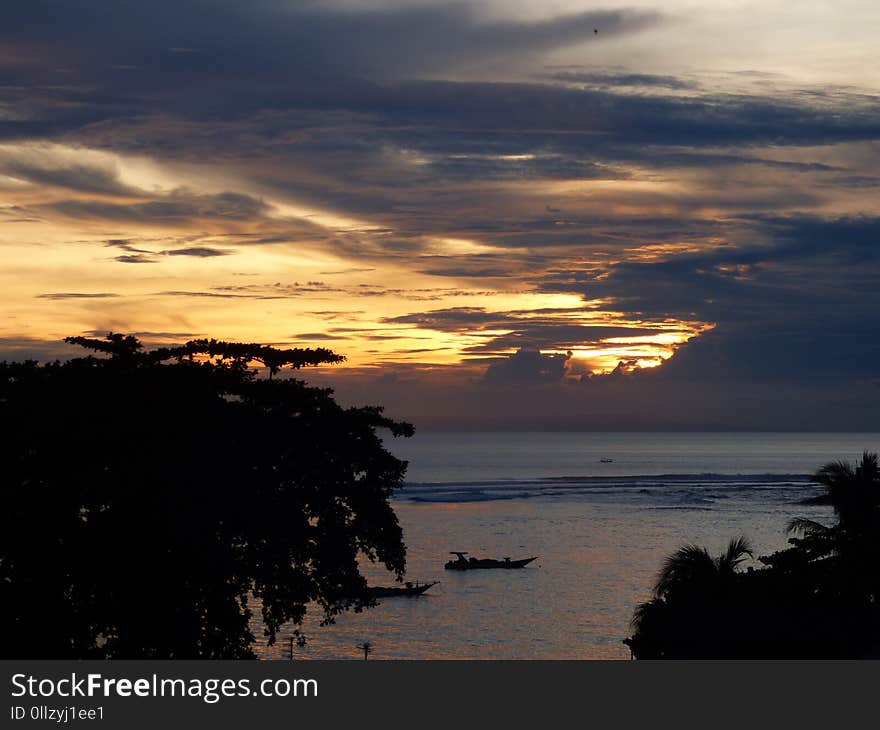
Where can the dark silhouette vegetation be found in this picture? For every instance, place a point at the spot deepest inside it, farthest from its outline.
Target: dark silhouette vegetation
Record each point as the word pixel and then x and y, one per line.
pixel 818 598
pixel 147 497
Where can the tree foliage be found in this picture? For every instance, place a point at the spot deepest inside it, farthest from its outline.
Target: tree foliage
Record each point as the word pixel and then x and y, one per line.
pixel 818 598
pixel 148 496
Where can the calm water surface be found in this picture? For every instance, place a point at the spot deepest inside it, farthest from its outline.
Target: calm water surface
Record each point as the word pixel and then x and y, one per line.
pixel 600 529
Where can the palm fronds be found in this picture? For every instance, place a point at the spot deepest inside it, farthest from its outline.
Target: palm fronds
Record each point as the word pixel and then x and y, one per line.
pixel 690 563
pixel 692 566
pixel 834 473
pixel 805 527
pixel 737 550
pixel 852 491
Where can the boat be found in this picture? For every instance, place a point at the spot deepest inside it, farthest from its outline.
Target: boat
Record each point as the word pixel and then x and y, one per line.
pixel 463 563
pixel 407 589
pixel 606 461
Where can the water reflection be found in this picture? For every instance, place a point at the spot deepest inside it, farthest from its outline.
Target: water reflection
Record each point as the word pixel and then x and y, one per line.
pixel 598 558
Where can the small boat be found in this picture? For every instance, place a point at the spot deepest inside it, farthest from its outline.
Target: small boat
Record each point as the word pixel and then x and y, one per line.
pixel 463 563
pixel 407 589
pixel 606 461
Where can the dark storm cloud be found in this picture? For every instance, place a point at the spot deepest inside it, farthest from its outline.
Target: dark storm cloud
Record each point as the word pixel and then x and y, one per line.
pixel 124 39
pixel 527 367
pixel 857 182
pixel 315 336
pixel 65 174
pixel 527 330
pixel 797 307
pixel 550 335
pixel 780 263
pixel 338 125
pixel 248 57
pixel 431 38
pixel 347 111
pixel 125 244
pixel 197 251
pixel 691 290
pixel 845 239
pixel 52 119
pixel 523 242
pixel 675 288
pixel 679 158
pixel 463 167
pixel 648 400
pixel 818 353
pixel 712 120
pixel 451 320
pixel 135 258
pixel 133 255
pixel 300 56
pixel 512 118
pixel 622 79
pixel 138 255
pixel 216 295
pixel 177 207
pixel 462 270
pixel 76 295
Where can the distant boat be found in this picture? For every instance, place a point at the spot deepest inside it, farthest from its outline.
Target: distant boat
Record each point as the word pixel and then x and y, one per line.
pixel 463 563
pixel 606 461
pixel 408 590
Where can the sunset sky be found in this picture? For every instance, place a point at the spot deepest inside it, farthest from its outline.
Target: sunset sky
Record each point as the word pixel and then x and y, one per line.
pixel 519 214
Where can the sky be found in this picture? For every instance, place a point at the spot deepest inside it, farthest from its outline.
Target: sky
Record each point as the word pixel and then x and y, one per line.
pixel 506 215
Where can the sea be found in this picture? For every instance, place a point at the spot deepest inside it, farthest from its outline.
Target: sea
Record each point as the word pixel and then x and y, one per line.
pixel 600 511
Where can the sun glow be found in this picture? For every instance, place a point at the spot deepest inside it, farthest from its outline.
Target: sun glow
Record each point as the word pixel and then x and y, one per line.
pixel 254 265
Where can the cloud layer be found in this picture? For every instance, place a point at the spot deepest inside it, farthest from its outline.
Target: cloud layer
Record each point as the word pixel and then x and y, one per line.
pixel 472 200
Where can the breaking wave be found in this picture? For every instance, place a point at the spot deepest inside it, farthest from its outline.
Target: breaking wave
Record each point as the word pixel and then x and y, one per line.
pixel 667 490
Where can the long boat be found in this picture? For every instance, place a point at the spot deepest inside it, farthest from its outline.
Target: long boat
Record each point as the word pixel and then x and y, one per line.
pixel 463 563
pixel 407 589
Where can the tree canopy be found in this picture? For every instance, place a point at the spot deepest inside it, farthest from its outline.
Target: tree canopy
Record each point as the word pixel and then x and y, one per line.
pixel 147 496
pixel 820 597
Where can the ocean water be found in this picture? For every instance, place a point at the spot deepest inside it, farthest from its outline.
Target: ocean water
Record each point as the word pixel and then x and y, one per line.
pixel 600 510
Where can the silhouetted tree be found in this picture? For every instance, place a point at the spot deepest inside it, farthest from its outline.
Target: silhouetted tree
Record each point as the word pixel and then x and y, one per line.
pixel 692 569
pixel 692 602
pixel 854 495
pixel 841 562
pixel 818 598
pixel 147 496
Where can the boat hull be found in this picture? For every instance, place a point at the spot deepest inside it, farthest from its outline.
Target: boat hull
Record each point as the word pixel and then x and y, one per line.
pixel 407 592
pixel 488 564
